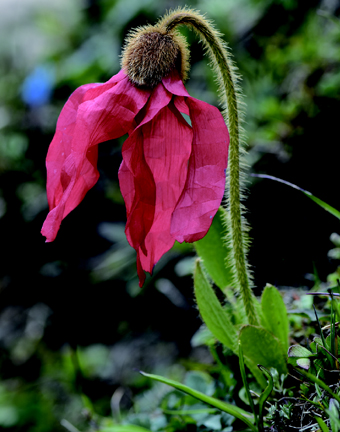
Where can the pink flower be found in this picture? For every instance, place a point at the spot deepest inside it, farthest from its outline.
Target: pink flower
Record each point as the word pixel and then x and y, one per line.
pixel 172 176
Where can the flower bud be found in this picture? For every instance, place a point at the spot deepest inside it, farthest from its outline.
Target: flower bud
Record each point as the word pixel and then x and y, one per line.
pixel 150 53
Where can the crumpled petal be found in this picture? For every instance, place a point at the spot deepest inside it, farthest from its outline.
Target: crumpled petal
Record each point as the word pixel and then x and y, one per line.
pixel 204 189
pixel 94 113
pixel 167 150
pixel 161 147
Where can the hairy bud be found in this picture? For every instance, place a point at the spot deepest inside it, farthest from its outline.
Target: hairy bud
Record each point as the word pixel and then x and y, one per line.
pixel 151 52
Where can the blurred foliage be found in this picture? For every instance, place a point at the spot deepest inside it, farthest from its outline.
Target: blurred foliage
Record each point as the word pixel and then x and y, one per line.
pixel 82 290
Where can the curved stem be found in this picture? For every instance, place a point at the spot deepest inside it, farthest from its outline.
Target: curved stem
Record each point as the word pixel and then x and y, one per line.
pixel 229 94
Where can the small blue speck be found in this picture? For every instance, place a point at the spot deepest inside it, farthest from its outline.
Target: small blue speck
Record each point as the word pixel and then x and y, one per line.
pixel 37 87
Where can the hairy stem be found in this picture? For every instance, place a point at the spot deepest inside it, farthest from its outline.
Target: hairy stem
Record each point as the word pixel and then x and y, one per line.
pixel 230 96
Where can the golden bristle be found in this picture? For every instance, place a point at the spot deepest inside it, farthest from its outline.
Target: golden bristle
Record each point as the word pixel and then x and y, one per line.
pixel 150 53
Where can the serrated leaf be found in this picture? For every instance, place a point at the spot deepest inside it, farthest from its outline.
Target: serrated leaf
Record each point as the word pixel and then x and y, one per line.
pixel 212 249
pixel 217 320
pixel 299 351
pixel 274 313
pixel 212 312
pixel 262 347
pixel 233 410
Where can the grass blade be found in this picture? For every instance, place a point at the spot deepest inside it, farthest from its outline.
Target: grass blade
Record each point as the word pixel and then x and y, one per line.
pixel 322 424
pixel 245 382
pixel 318 381
pixel 318 201
pixel 265 394
pixel 223 406
pixel 320 329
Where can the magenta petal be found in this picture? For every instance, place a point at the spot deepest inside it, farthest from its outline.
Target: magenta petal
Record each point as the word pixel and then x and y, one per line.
pixel 174 84
pixel 156 159
pixel 60 147
pixel 135 178
pixel 205 184
pixel 140 271
pixel 127 186
pixel 106 112
pixel 167 148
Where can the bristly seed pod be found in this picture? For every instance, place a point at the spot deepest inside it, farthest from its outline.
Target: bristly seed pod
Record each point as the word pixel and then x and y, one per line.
pixel 151 52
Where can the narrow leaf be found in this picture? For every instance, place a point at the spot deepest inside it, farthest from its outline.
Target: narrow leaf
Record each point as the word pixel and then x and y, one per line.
pixel 333 351
pixel 318 201
pixel 322 424
pixel 213 251
pixel 333 413
pixel 223 406
pixel 211 310
pixel 275 314
pixel 264 395
pixel 190 411
pixel 245 382
pixel 318 381
pixel 328 355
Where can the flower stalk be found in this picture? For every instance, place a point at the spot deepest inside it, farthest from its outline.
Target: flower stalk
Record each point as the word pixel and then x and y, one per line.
pixel 231 99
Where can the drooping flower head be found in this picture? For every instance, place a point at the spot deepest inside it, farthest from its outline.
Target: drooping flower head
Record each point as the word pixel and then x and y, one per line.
pixel 172 176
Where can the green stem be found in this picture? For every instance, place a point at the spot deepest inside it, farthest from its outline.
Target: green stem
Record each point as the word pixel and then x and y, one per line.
pixel 230 96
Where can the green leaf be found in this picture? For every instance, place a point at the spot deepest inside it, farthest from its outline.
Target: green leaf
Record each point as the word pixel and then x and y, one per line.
pixel 264 395
pixel 274 313
pixel 245 382
pixel 211 310
pixel 318 381
pixel 322 424
pixel 299 351
pixel 252 366
pixel 303 362
pixel 203 336
pixel 223 406
pixel 190 411
pixel 318 340
pixel 124 428
pixel 333 412
pixel 212 249
pixel 318 201
pixel 200 381
pixel 324 205
pixel 261 347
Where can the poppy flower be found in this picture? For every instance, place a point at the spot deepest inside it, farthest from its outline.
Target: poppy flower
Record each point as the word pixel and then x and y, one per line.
pixel 172 176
